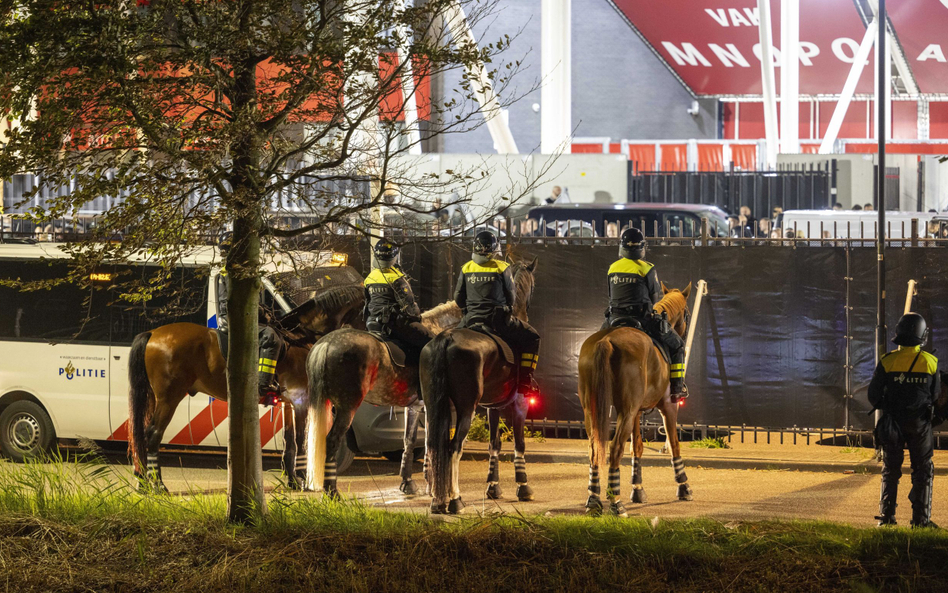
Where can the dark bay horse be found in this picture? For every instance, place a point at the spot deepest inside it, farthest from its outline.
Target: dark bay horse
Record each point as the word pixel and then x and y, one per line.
pixel 621 367
pixel 465 368
pixel 347 367
pixel 173 361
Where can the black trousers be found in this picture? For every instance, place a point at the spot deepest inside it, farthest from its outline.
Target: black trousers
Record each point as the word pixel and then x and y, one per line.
pixel 521 336
pixel 405 329
pixel 894 434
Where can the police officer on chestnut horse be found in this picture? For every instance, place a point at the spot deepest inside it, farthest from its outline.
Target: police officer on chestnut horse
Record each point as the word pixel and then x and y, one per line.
pixel 390 307
pixel 485 294
pixel 633 290
pixel 905 386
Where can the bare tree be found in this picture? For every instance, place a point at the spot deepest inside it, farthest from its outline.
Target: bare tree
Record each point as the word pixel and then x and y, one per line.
pixel 265 118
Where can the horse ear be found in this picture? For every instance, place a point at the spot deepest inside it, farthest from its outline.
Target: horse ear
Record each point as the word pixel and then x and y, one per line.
pixel 686 291
pixel 532 266
pixel 664 288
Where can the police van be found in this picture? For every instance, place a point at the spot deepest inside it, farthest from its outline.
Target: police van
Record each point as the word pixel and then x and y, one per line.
pixel 65 351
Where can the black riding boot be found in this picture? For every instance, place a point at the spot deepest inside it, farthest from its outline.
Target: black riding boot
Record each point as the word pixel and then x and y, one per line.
pixel 270 344
pixel 677 386
pixel 526 384
pixel 887 502
pixel 921 496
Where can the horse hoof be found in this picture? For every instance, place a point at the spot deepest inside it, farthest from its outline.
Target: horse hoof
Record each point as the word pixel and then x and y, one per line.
pixel 639 497
pixel 684 492
pixel 593 507
pixel 618 509
pixel 408 488
pixel 524 493
pixel 455 506
pixel 494 492
pixel 294 483
pixel 438 508
pixel 332 494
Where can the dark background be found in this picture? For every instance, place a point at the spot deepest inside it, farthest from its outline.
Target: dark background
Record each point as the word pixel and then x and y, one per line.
pixel 770 344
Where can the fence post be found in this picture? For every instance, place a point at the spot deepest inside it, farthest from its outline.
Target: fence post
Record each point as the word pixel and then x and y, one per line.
pixel 704 232
pixel 848 376
pixel 914 232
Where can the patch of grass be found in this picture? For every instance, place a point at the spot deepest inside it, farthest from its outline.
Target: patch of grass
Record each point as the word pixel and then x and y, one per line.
pixel 480 432
pixel 73 527
pixel 710 443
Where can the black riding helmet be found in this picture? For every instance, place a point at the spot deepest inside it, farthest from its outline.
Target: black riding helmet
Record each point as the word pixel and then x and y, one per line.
pixel 911 330
pixel 632 244
pixel 485 245
pixel 385 252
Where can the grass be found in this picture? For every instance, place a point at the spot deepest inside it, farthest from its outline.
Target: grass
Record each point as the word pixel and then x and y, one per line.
pixel 72 526
pixel 710 443
pixel 480 432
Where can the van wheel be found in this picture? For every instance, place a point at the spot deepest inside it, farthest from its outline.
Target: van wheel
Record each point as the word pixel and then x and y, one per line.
pixel 26 431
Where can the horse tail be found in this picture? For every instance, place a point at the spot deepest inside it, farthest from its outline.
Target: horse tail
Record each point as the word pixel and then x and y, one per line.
pixel 139 396
pixel 438 410
pixel 600 399
pixel 319 419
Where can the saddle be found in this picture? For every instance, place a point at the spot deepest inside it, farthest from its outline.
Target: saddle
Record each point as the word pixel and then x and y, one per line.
pixel 504 347
pixel 401 353
pixel 635 324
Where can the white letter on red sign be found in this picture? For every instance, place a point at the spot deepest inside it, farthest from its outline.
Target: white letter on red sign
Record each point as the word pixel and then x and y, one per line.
pixel 840 54
pixel 726 55
pixel 718 15
pixel 932 52
pixel 688 54
pixel 808 50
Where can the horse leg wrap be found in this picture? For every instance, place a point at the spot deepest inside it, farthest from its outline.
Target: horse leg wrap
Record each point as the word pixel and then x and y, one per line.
pixel 618 509
pixel 615 480
pixel 493 479
pixel 329 480
pixel 593 505
pixel 300 462
pixel 638 492
pixel 520 468
pixel 684 491
pixel 153 474
pixel 594 481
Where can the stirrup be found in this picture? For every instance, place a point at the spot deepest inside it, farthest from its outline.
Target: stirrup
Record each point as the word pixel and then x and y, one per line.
pixel 271 397
pixel 529 389
pixel 677 397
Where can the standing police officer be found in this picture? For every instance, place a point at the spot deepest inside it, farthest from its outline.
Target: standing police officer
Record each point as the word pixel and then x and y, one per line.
pixel 390 306
pixel 485 294
pixel 633 291
pixel 905 387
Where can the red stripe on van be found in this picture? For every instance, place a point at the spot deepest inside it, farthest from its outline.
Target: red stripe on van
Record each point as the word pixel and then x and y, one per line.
pixel 270 423
pixel 121 433
pixel 202 425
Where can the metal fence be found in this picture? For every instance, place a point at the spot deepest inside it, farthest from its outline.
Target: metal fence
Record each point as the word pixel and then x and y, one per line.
pixel 797 188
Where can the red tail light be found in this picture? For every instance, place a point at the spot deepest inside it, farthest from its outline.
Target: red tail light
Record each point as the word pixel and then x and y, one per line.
pixel 681 403
pixel 532 401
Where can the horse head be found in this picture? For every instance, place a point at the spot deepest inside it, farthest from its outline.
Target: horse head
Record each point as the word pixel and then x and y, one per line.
pixel 675 303
pixel 523 287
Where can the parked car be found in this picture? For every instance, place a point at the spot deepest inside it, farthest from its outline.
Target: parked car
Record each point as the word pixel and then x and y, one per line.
pixel 656 220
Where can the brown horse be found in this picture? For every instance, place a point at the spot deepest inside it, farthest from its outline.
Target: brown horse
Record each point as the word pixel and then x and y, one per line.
pixel 465 368
pixel 179 359
pixel 621 367
pixel 349 366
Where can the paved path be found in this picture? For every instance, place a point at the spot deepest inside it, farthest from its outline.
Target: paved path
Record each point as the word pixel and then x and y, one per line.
pixel 847 491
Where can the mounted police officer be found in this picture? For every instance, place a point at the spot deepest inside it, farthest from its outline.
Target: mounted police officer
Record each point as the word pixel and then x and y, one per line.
pixel 390 307
pixel 485 294
pixel 905 386
pixel 272 347
pixel 633 291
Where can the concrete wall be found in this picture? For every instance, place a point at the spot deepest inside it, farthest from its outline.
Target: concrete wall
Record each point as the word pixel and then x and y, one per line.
pixel 620 89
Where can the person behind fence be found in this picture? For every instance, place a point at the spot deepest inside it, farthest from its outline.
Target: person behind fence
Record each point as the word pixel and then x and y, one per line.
pixel 633 291
pixel 271 345
pixel 905 386
pixel 485 294
pixel 390 307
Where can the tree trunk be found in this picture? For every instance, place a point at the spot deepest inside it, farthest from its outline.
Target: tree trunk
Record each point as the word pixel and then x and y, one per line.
pixel 246 502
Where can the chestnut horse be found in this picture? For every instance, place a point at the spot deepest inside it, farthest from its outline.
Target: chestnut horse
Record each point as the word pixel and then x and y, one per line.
pixel 173 361
pixel 349 366
pixel 464 368
pixel 621 367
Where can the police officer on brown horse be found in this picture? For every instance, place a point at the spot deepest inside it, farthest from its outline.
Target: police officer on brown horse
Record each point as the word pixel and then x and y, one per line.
pixel 390 307
pixel 633 291
pixel 905 386
pixel 485 294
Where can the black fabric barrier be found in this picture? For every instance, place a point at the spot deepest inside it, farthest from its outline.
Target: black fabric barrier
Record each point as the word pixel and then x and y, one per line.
pixel 770 344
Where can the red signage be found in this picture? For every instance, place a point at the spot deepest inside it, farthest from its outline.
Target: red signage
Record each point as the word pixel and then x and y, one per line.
pixel 713 45
pixel 922 28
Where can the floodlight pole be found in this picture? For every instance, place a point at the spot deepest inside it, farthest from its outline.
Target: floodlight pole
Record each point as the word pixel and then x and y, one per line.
pixel 880 183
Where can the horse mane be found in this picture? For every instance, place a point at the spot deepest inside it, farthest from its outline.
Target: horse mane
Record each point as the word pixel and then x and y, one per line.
pixel 673 303
pixel 523 287
pixel 336 298
pixel 444 316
